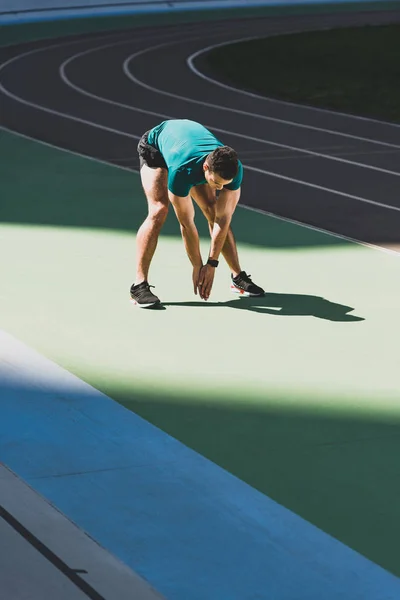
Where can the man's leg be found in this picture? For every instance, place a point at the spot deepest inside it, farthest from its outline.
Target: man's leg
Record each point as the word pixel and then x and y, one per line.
pixel 154 183
pixel 205 198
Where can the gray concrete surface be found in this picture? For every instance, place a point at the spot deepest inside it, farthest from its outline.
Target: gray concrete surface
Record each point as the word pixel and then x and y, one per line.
pixel 44 556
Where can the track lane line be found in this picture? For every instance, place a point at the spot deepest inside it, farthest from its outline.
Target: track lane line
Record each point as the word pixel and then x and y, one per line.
pixel 253 114
pixel 228 109
pixel 129 74
pixel 52 46
pixel 79 89
pixel 240 205
pixel 134 136
pixel 65 115
pixel 118 132
pixel 48 110
pixel 191 59
pixel 165 116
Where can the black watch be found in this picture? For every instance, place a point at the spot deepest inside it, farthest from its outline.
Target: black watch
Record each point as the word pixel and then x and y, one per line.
pixel 212 262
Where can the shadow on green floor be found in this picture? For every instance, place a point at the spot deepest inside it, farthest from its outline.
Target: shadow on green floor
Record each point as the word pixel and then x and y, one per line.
pixel 45 186
pixel 333 465
pixel 284 305
pixel 337 470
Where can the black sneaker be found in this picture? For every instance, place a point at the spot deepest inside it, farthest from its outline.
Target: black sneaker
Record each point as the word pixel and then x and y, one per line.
pixel 142 296
pixel 243 285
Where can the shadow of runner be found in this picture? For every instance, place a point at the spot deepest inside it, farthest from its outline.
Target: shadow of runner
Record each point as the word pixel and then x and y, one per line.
pixel 284 305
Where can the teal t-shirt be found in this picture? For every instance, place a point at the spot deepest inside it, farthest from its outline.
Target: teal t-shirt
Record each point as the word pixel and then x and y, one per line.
pixel 185 145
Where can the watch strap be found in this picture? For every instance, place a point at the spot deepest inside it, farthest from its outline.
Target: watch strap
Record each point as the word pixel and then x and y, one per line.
pixel 212 262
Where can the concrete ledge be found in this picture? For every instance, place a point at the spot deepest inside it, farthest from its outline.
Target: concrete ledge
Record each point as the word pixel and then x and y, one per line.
pixel 48 554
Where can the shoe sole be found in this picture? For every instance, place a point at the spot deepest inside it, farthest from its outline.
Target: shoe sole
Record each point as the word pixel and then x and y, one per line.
pixel 240 292
pixel 135 303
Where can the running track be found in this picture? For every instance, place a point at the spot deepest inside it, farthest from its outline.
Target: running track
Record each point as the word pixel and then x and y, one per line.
pixel 96 95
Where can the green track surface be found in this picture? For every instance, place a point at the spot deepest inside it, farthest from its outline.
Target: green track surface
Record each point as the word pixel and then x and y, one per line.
pixel 354 70
pixel 296 393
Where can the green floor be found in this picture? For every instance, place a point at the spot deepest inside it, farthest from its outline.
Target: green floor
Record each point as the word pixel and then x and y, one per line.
pixel 296 393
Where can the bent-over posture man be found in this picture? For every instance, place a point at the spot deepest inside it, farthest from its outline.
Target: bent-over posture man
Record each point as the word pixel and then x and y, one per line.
pixel 181 160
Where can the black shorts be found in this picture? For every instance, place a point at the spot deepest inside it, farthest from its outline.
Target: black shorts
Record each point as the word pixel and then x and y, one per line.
pixel 148 155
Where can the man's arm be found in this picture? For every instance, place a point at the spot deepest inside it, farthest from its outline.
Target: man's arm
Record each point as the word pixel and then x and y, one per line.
pixel 224 207
pixel 184 210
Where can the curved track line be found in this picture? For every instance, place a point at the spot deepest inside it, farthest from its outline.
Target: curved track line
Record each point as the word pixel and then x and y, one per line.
pixel 65 115
pixel 129 74
pixel 275 100
pixel 96 125
pixel 255 169
pixel 51 111
pixel 228 109
pixel 252 114
pixel 241 205
pixel 324 189
pixel 84 92
pixel 162 115
pixel 20 100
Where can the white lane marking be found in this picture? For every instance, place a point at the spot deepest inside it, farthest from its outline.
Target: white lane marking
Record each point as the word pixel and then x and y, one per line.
pixel 162 115
pixel 96 125
pixel 215 26
pixel 73 152
pixel 8 93
pixel 252 114
pixel 65 115
pixel 84 92
pixel 191 59
pixel 279 156
pixel 345 238
pixel 48 110
pixel 340 236
pixel 129 74
pixel 79 89
pixel 247 137
pixel 325 189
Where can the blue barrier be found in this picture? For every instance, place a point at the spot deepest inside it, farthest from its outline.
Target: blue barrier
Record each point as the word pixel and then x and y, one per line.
pixel 20 11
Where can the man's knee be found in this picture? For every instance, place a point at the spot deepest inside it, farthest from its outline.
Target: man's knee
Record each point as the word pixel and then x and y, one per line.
pixel 158 213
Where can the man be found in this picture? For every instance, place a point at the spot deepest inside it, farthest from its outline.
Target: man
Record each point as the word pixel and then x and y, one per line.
pixel 181 160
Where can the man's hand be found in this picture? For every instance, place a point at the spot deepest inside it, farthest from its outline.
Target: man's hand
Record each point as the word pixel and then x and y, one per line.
pixel 206 280
pixel 195 278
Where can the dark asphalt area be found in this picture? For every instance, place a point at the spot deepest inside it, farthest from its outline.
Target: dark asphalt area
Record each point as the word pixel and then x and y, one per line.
pixel 95 94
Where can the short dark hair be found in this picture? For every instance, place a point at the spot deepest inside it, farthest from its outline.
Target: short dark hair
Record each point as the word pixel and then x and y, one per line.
pixel 224 161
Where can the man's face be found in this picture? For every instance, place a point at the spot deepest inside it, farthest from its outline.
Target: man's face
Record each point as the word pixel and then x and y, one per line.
pixel 214 180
